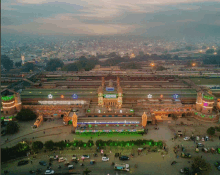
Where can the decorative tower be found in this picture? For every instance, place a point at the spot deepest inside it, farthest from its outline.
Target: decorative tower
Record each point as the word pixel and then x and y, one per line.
pixel 144 120
pixel 103 81
pixel 118 81
pixel 100 96
pixel 22 59
pixel 119 96
pixel 74 120
pixel 199 101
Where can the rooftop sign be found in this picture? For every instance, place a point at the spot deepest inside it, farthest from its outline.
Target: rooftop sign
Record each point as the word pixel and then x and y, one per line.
pixel 110 96
pixel 110 88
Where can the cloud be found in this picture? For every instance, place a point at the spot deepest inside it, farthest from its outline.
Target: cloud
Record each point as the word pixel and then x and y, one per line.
pixel 65 23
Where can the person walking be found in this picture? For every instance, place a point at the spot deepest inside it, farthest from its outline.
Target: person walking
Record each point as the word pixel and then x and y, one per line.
pixel 31 162
pixel 44 132
pixel 163 157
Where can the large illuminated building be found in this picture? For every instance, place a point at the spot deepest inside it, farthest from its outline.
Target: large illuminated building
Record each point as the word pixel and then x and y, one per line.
pixel 116 100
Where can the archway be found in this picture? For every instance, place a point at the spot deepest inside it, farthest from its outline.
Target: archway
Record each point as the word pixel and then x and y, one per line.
pixel 169 115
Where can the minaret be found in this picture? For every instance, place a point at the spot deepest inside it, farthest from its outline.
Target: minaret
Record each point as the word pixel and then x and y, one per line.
pixel 100 96
pixel 22 59
pixel 119 97
pixel 103 82
pixel 144 119
pixel 118 81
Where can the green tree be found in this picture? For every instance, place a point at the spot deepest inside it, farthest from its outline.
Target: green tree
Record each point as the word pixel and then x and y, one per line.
pixel 87 171
pixel 49 144
pixel 210 51
pixel 26 115
pixel 60 144
pixel 160 68
pixel 7 62
pixel 200 164
pixel 18 64
pixel 37 145
pixel 90 143
pixel 211 131
pixel 53 64
pixel 174 117
pixel 28 67
pixel 12 127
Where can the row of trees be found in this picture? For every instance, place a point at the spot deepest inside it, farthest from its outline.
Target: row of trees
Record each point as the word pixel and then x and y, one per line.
pixel 38 145
pixel 16 151
pixel 212 130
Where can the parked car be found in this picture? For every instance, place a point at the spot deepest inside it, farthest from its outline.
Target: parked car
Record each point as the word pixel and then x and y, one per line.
pixel 43 163
pixel 124 158
pixel 186 155
pixel 49 172
pixel 23 162
pixel 3 133
pixel 85 157
pixel 62 159
pixel 70 167
pixel 184 171
pixel 186 138
pixel 217 164
pixel 200 145
pixel 104 159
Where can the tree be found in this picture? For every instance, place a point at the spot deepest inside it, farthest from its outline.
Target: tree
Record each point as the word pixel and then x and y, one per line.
pixel 49 144
pixel 211 131
pixel 26 115
pixel 160 68
pixel 174 117
pixel 12 127
pixel 90 143
pixel 210 51
pixel 200 164
pixel 18 64
pixel 37 145
pixel 87 171
pixel 53 64
pixel 60 144
pixel 28 67
pixel 218 52
pixel 6 62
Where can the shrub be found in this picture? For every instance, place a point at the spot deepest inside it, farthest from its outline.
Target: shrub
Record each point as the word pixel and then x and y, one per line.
pixel 211 131
pixel 26 115
pixel 37 145
pixel 12 127
pixel 49 144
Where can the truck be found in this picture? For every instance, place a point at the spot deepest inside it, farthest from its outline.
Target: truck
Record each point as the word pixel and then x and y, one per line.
pixel 121 167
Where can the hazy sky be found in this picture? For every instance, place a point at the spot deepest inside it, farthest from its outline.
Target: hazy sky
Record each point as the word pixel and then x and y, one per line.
pixel 109 17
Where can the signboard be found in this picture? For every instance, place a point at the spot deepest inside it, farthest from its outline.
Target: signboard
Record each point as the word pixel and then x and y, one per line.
pixel 110 88
pixel 8 119
pixel 75 96
pixel 110 95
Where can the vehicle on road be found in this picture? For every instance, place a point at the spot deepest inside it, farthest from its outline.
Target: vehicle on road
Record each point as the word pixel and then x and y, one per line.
pixel 218 168
pixel 124 158
pixel 205 150
pixel 104 159
pixel 173 163
pixel 70 167
pixel 121 167
pixel 184 170
pixel 92 162
pixel 23 162
pixel 43 163
pixel 200 145
pixel 186 138
pixel 85 157
pixel 62 159
pixel 49 172
pixel 186 155
pixel 217 164
pixel 179 133
pixel 74 158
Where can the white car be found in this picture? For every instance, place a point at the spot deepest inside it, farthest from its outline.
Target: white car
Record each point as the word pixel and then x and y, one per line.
pixel 49 172
pixel 186 138
pixel 85 157
pixel 104 159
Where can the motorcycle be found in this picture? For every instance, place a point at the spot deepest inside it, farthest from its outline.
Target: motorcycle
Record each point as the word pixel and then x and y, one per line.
pixel 81 164
pixel 173 163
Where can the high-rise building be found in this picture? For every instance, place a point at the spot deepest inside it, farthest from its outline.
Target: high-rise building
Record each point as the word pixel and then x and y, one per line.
pixel 22 59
